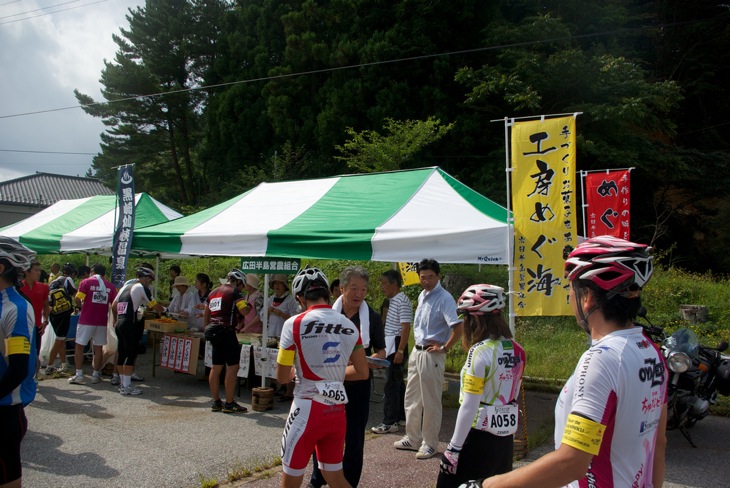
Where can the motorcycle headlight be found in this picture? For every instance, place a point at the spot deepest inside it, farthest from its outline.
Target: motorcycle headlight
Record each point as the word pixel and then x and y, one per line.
pixel 678 362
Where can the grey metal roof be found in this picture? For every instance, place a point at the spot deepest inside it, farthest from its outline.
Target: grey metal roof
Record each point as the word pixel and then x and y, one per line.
pixel 45 189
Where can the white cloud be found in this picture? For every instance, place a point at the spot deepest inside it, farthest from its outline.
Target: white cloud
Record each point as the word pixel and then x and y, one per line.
pixel 44 59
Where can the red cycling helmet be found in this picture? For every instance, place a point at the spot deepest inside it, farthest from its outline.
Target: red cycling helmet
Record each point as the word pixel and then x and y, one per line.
pixel 481 299
pixel 615 265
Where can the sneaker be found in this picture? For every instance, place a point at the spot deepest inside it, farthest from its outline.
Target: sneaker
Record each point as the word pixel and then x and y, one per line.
pixel 130 390
pixel 95 379
pixel 405 444
pixel 115 379
pixel 425 452
pixel 77 379
pixel 234 408
pixel 385 429
pixel 217 406
pixel 49 371
pixel 64 371
pixel 136 377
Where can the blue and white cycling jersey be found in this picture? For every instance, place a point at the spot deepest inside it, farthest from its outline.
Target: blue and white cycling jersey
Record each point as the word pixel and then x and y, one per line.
pixel 17 321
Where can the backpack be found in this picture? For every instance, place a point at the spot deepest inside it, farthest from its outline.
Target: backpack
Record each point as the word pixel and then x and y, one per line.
pixel 58 297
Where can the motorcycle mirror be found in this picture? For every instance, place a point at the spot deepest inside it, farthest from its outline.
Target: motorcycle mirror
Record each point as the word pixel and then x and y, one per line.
pixel 722 346
pixel 641 312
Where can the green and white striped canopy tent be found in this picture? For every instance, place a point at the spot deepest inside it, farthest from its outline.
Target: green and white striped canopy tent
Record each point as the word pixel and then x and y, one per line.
pixel 393 216
pixel 85 225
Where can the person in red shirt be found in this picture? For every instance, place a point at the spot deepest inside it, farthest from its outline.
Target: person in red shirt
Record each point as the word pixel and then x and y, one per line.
pixel 37 294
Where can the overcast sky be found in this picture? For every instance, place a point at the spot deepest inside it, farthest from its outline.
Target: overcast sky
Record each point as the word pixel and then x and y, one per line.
pixel 42 60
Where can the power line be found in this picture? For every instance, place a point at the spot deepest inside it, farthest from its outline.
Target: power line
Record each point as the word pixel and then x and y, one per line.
pixel 38 9
pixel 50 13
pixel 78 163
pixel 359 65
pixel 48 152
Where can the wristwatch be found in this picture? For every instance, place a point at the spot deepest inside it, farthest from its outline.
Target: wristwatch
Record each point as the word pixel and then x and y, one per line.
pixel 444 348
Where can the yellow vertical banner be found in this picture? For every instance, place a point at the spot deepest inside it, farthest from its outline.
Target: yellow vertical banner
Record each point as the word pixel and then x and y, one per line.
pixel 543 201
pixel 409 274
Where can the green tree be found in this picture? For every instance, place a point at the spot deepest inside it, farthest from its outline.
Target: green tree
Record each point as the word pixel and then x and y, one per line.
pixel 370 152
pixel 153 120
pixel 626 115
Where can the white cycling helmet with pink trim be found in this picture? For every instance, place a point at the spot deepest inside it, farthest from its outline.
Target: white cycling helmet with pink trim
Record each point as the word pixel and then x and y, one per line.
pixel 615 265
pixel 481 299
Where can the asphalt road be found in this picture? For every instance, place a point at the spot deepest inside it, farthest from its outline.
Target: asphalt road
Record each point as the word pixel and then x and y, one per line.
pixel 90 436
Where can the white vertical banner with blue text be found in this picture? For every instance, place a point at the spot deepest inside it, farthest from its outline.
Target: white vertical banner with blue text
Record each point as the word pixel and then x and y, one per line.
pixel 122 242
pixel 544 203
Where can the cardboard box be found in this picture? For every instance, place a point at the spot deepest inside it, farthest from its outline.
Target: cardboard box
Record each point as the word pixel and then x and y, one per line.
pixel 157 326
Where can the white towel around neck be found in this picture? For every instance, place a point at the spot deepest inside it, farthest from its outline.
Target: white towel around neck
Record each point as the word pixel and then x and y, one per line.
pixel 364 313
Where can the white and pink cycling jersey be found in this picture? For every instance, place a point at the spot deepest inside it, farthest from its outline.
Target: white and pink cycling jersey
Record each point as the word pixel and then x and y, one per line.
pixel 620 387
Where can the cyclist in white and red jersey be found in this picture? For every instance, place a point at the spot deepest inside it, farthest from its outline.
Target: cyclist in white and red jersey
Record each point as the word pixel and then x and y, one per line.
pixel 490 382
pixel 319 343
pixel 611 416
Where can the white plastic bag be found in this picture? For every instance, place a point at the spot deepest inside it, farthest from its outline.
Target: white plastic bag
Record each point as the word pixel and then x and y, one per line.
pixel 47 340
pixel 112 342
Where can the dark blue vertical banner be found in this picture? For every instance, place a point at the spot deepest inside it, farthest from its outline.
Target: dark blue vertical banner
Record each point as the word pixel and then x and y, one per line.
pixel 122 242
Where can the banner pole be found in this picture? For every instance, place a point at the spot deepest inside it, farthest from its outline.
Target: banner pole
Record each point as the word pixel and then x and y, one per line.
pixel 583 203
pixel 510 227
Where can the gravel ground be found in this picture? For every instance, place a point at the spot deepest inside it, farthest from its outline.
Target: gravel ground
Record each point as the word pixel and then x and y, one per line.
pixel 90 436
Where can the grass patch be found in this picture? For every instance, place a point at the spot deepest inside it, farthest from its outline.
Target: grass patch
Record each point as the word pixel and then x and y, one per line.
pixel 258 468
pixel 207 482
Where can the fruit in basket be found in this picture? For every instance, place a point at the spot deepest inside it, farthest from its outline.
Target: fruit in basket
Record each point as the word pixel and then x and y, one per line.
pixel 166 320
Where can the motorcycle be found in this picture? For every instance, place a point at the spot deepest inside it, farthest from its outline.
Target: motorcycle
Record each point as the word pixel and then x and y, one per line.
pixel 697 374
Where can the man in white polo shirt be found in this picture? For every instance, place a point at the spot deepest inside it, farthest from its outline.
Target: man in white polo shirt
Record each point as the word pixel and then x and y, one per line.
pixel 436 328
pixel 94 296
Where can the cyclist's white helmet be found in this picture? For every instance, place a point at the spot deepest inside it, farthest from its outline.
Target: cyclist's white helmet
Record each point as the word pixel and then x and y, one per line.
pixel 15 253
pixel 143 272
pixel 237 274
pixel 309 279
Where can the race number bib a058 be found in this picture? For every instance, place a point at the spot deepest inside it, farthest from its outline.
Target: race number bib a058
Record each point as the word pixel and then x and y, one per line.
pixel 215 304
pixel 498 420
pixel 330 392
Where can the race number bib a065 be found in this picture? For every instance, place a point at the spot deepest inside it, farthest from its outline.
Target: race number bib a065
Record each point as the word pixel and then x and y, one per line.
pixel 215 304
pixel 498 420
pixel 330 392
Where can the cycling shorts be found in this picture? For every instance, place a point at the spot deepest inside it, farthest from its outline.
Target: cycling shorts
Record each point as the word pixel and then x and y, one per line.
pixel 313 426
pixel 13 426
pixel 129 335
pixel 226 349
pixel 61 323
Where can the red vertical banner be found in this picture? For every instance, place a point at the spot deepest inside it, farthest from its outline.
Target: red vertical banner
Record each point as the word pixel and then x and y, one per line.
pixel 608 202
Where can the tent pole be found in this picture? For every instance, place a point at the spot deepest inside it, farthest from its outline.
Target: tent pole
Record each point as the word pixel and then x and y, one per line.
pixel 157 274
pixel 265 330
pixel 510 227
